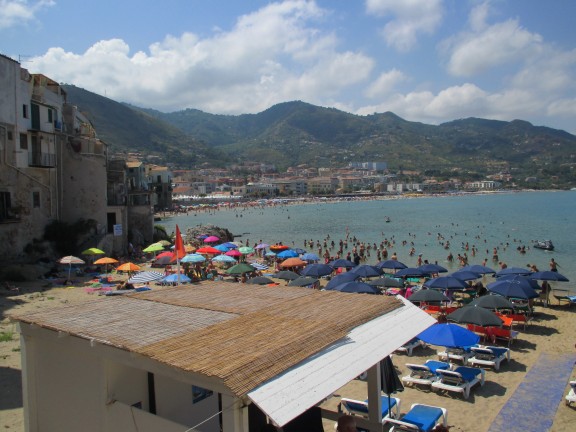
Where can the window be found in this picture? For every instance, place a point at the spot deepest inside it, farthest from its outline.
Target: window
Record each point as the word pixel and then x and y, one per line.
pixel 10 136
pixel 36 199
pixel 25 111
pixel 50 118
pixel 23 142
pixel 5 205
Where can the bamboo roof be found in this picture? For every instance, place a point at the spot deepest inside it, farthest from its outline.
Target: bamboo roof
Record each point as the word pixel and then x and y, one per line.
pixel 242 334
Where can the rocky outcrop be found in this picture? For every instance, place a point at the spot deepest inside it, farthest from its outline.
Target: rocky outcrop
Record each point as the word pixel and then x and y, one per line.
pixel 192 234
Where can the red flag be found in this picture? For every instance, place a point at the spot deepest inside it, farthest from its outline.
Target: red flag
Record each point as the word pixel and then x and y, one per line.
pixel 179 251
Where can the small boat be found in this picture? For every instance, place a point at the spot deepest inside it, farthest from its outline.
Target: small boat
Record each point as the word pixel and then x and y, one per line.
pixel 386 219
pixel 544 244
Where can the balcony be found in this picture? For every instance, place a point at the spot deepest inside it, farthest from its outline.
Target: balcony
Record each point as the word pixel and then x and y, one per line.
pixel 43 160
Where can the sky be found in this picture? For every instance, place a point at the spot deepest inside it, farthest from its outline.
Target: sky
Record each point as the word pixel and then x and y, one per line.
pixel 431 61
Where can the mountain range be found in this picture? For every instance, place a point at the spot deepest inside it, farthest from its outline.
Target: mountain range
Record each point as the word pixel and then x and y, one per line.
pixel 294 133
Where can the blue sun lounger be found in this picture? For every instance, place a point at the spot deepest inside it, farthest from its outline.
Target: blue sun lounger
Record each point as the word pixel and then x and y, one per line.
pixel 424 374
pixel 360 408
pixel 489 356
pixel 460 380
pixel 420 418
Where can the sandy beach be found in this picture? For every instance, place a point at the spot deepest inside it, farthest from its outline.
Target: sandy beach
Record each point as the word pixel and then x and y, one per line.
pixel 550 332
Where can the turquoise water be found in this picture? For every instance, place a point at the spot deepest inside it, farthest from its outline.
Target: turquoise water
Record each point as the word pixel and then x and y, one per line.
pixel 505 221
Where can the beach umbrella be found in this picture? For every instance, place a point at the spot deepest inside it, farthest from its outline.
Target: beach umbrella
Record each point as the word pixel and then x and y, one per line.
pixel 465 275
pixel 270 254
pixel 316 270
pixel 259 280
pixel 389 381
pixel 262 246
pixel 386 282
pixel 202 236
pixel 162 261
pixel 211 239
pixel 128 267
pixel 70 260
pixel 492 302
pixel 189 248
pixel 193 258
pixel 240 268
pixel 224 258
pixel 432 268
pixel 516 287
pixel 286 275
pixel 517 271
pixel 428 295
pixel 410 272
pixel 342 263
pixel 154 247
pixel 356 287
pixel 477 268
pixel 177 278
pixel 309 256
pixel 233 253
pixel 366 270
pixel 391 265
pixel 146 276
pixel 165 254
pixel 293 262
pixel 548 275
pixel 93 251
pixel 476 316
pixel 288 253
pixel 340 279
pixel 164 243
pixel 208 250
pixel 445 283
pixel 299 251
pixel 222 248
pixel 245 250
pixel 449 335
pixel 303 281
pixel 106 261
pixel 230 245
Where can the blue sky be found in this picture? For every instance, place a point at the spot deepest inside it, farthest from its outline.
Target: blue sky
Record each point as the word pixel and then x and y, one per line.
pixel 426 60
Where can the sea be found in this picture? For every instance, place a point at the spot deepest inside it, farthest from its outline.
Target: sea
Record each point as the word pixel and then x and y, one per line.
pixel 509 222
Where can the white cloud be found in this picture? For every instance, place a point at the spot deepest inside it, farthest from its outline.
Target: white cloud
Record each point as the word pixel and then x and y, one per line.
pixel 495 45
pixel 478 16
pixel 385 83
pixel 270 56
pixel 410 18
pixel 15 12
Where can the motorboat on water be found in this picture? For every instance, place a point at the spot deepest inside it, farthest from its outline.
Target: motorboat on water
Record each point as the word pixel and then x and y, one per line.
pixel 544 244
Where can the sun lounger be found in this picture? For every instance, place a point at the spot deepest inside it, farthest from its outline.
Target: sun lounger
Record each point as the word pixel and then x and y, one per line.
pixel 424 374
pixel 420 418
pixel 460 380
pixel 461 354
pixel 489 356
pixel 570 299
pixel 408 347
pixel 360 408
pixel 571 396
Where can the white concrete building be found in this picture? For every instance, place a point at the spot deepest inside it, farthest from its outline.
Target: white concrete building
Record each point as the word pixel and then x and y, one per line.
pixel 212 357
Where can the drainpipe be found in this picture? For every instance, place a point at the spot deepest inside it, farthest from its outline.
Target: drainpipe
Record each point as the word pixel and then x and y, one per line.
pixel 25 174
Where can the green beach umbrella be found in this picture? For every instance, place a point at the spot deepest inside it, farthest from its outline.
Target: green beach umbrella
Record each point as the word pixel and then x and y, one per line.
pixel 240 268
pixel 154 247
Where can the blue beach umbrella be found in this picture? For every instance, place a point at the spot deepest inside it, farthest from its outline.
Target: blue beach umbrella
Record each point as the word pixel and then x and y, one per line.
pixel 316 270
pixel 410 272
pixel 445 283
pixel 433 268
pixel 477 268
pixel 391 265
pixel 342 263
pixel 356 287
pixel 513 271
pixel 449 335
pixel 465 275
pixel 222 248
pixel 340 279
pixel 516 287
pixel 548 275
pixel 366 270
pixel 309 256
pixel 193 258
pixel 224 258
pixel 288 253
pixel 230 245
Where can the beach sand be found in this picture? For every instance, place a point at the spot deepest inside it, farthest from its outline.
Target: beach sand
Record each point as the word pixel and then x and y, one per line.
pixel 551 332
